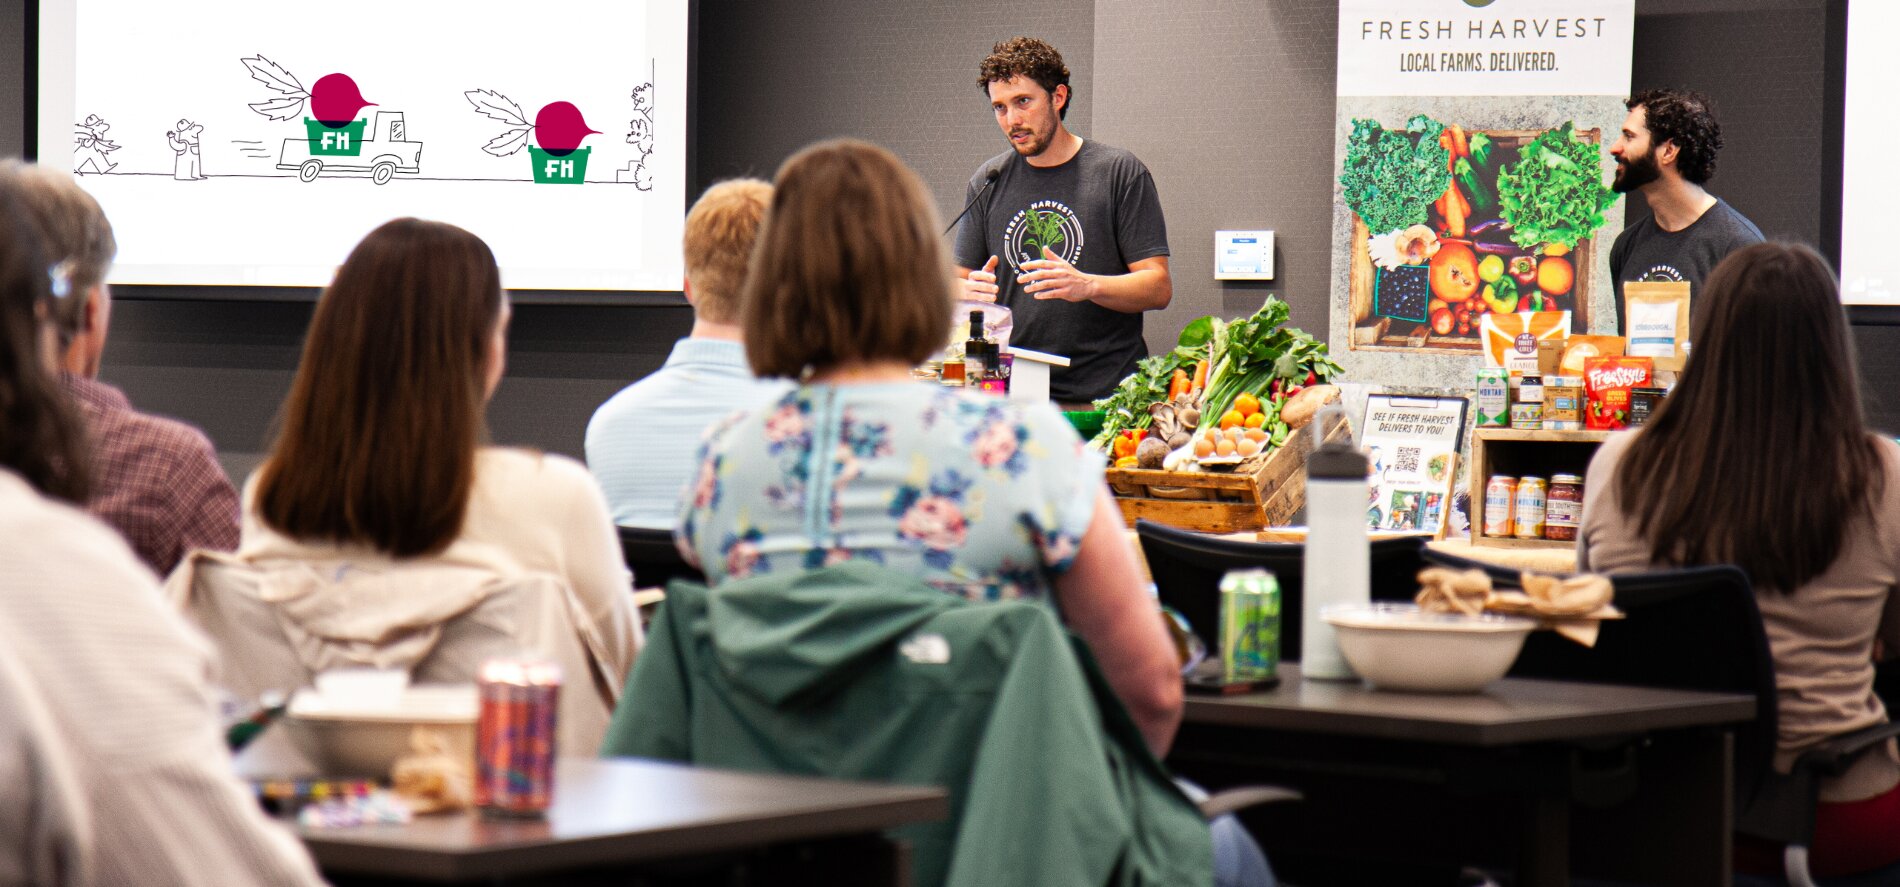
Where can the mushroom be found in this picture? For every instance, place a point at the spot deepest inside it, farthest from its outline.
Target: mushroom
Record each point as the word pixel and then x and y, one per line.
pixel 1416 244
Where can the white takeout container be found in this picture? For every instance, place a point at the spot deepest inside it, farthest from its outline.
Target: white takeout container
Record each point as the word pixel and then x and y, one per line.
pixel 346 738
pixel 1401 647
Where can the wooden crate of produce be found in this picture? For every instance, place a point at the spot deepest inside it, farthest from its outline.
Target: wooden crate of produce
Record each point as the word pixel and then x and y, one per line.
pixel 1224 502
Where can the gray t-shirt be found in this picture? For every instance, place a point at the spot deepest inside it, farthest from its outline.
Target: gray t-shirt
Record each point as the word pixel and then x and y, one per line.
pixel 1645 252
pixel 1099 212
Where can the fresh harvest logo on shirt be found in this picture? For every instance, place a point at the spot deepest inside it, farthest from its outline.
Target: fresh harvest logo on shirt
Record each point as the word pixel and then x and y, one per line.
pixel 1046 223
pixel 1663 274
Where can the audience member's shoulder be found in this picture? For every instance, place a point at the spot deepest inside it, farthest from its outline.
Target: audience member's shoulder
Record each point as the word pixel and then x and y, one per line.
pixel 53 532
pixel 516 465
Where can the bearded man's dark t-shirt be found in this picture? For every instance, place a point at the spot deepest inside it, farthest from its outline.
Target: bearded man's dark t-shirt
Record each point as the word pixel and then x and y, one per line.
pixel 1645 252
pixel 1099 212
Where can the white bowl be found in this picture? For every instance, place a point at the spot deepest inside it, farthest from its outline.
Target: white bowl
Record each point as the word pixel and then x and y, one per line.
pixel 1401 647
pixel 343 738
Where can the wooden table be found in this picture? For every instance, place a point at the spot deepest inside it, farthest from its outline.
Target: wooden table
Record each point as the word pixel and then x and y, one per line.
pixel 623 814
pixel 1638 778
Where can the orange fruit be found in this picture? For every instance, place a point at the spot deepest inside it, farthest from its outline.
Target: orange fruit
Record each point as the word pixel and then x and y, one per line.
pixel 1555 249
pixel 1554 276
pixel 1247 404
pixel 1232 418
pixel 1224 448
pixel 1257 420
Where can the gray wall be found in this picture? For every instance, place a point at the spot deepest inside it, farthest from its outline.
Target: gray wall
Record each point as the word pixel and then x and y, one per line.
pixel 1227 103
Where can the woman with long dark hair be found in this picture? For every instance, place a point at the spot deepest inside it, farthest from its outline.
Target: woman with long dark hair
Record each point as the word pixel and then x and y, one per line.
pixel 112 766
pixel 1761 458
pixel 382 473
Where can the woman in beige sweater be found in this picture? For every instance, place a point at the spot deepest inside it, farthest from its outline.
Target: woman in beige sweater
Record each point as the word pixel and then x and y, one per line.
pixel 1761 458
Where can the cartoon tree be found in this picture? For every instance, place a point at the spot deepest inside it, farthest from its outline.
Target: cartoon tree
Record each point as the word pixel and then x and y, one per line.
pixel 640 136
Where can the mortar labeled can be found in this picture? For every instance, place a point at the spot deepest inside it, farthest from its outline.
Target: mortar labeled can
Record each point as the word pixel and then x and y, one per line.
pixel 1249 625
pixel 1499 496
pixel 340 141
pixel 1494 397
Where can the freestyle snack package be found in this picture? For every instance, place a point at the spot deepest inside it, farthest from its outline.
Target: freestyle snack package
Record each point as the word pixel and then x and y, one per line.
pixel 1606 387
pixel 1510 340
pixel 1578 349
pixel 1657 321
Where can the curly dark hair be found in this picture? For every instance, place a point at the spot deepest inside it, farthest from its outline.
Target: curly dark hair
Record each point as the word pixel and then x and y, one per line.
pixel 1026 57
pixel 1683 117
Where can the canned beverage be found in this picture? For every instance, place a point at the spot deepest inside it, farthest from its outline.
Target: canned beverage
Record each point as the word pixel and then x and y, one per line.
pixel 514 736
pixel 1499 494
pixel 1494 397
pixel 1528 507
pixel 1249 625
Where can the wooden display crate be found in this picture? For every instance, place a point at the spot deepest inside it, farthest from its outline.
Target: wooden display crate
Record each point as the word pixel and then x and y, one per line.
pixel 1223 502
pixel 1518 453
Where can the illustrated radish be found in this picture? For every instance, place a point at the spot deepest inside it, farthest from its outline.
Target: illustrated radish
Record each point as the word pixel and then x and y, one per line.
pixel 559 128
pixel 334 100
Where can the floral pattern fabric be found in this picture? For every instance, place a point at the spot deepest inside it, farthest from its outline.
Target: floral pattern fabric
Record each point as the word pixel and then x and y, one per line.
pixel 980 496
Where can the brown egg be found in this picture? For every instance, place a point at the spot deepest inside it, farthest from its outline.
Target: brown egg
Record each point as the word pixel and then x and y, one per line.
pixel 1203 448
pixel 1235 434
pixel 1247 447
pixel 1224 448
pixel 1256 434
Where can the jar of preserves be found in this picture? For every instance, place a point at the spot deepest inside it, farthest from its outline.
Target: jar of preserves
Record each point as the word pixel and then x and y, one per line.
pixel 1563 511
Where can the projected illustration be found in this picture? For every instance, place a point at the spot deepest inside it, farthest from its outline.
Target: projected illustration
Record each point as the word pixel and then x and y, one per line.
pixel 91 146
pixel 192 121
pixel 557 157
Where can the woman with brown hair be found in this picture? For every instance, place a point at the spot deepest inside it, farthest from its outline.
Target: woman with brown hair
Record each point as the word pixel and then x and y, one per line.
pixel 381 468
pixel 1761 458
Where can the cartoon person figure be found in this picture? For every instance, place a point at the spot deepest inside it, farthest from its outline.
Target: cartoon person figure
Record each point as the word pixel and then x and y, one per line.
pixel 91 146
pixel 189 165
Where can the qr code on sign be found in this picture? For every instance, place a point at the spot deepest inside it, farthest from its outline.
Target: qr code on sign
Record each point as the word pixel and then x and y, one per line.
pixel 1406 460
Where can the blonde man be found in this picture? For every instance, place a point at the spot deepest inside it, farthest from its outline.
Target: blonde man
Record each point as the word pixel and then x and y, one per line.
pixel 155 480
pixel 640 443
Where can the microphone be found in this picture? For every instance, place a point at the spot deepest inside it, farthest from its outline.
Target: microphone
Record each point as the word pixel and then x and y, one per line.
pixel 989 179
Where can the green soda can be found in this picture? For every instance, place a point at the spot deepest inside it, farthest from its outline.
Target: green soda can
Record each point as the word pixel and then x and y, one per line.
pixel 1249 625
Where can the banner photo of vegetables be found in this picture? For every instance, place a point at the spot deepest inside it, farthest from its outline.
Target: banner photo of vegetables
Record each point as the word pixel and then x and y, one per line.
pixel 1452 224
pixel 1231 380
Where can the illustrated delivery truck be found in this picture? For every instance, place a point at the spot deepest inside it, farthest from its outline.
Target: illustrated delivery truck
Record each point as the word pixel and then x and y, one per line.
pixel 345 150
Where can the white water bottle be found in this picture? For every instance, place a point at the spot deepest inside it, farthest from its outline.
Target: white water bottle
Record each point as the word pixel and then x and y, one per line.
pixel 1338 558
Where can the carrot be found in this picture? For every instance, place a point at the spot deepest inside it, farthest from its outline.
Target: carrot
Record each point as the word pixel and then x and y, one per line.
pixel 1178 384
pixel 1200 376
pixel 1455 210
pixel 1461 147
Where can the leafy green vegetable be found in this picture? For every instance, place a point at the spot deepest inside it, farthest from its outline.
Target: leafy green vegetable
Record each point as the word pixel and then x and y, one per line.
pixel 1390 177
pixel 1554 193
pixel 1127 406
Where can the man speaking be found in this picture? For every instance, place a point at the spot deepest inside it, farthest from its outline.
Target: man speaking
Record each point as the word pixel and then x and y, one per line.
pixel 1066 233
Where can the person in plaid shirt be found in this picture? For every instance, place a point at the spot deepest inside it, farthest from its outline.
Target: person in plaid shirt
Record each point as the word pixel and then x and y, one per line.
pixel 155 480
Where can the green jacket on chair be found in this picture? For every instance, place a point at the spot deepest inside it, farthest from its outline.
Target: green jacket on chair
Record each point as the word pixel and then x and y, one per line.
pixel 858 672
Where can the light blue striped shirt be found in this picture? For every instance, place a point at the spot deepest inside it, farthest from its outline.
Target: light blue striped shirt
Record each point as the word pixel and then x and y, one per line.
pixel 640 443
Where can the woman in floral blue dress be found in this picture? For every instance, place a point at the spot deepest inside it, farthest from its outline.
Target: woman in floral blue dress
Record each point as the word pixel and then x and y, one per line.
pixel 981 497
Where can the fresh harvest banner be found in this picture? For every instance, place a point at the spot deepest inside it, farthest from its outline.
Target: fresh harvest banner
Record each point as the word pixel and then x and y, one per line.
pixel 1472 169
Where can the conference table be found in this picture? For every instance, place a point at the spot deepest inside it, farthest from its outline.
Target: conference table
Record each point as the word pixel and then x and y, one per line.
pixel 616 820
pixel 1543 777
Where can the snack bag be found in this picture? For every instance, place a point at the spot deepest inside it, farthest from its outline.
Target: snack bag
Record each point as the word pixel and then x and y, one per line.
pixel 1578 349
pixel 1657 319
pixel 1510 340
pixel 1606 384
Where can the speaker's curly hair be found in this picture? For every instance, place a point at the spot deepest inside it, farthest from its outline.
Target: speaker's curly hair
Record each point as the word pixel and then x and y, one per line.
pixel 1026 57
pixel 1683 117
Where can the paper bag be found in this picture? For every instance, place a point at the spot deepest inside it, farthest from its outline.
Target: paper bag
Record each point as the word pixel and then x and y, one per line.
pixel 1510 340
